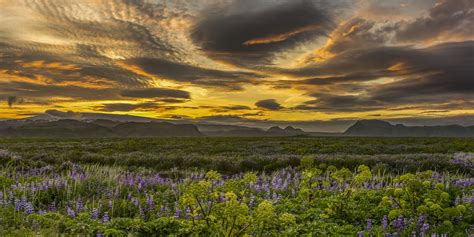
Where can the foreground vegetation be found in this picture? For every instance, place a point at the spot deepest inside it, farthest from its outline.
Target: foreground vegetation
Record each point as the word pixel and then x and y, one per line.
pixel 236 155
pixel 333 187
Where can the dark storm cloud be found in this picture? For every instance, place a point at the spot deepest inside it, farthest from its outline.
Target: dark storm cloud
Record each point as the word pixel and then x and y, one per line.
pixel 123 107
pixel 355 77
pixel 269 104
pixel 253 34
pixel 445 70
pixel 33 90
pixel 229 108
pixel 433 75
pixel 196 75
pixel 448 19
pixel 339 103
pixel 172 100
pixel 155 93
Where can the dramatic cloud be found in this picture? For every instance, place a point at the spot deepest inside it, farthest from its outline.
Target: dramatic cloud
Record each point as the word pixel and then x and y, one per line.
pixel 235 34
pixel 418 76
pixel 188 73
pixel 448 19
pixel 128 107
pixel 155 93
pixel 269 104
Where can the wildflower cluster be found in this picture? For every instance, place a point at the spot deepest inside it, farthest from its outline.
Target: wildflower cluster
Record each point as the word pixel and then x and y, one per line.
pixel 101 200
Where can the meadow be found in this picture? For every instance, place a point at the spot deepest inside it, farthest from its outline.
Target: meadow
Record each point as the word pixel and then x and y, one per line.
pixel 335 186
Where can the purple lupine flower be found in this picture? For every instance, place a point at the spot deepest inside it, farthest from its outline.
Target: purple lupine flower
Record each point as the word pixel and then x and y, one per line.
pixel 29 208
pixel 23 203
pixel 177 213
pixel 105 218
pixel 369 225
pixel 361 234
pixel 150 203
pixel 424 229
pixel 32 187
pixel 141 212
pixel 252 201
pixel 79 205
pixel 384 222
pixel 399 223
pixel 12 197
pixel 94 214
pixel 17 204
pixel 44 186
pixel 187 213
pixel 71 212
pixel 52 207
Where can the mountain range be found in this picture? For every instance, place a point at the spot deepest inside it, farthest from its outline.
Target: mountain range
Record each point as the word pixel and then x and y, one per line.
pixel 69 124
pixel 379 128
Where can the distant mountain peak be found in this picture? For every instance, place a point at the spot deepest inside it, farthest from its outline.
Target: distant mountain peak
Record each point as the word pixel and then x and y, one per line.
pixel 292 129
pixel 382 128
pixel 288 130
pixel 275 129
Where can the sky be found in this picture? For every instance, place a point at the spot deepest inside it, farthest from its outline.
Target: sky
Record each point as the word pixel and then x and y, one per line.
pixel 240 61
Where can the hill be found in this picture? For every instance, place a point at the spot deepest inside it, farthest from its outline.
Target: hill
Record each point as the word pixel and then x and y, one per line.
pixel 378 128
pixel 101 128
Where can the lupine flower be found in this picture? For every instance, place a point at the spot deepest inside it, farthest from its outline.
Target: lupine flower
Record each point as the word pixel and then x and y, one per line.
pixel 94 214
pixel 369 225
pixel 141 213
pixel 187 213
pixel 71 212
pixel 17 204
pixel 105 218
pixel 23 202
pixel 421 220
pixel 177 213
pixel 79 205
pixel 424 229
pixel 29 208
pixel 384 222
pixel 252 201
pixel 150 203
pixel 399 223
pixel 52 207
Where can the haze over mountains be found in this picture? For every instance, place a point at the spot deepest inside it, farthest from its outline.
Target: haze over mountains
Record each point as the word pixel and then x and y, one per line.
pixel 70 124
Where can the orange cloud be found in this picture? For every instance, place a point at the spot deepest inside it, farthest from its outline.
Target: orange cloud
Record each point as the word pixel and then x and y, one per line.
pixel 40 64
pixel 280 37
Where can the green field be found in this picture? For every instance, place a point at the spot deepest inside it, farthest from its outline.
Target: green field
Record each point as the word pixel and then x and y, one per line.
pixel 237 186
